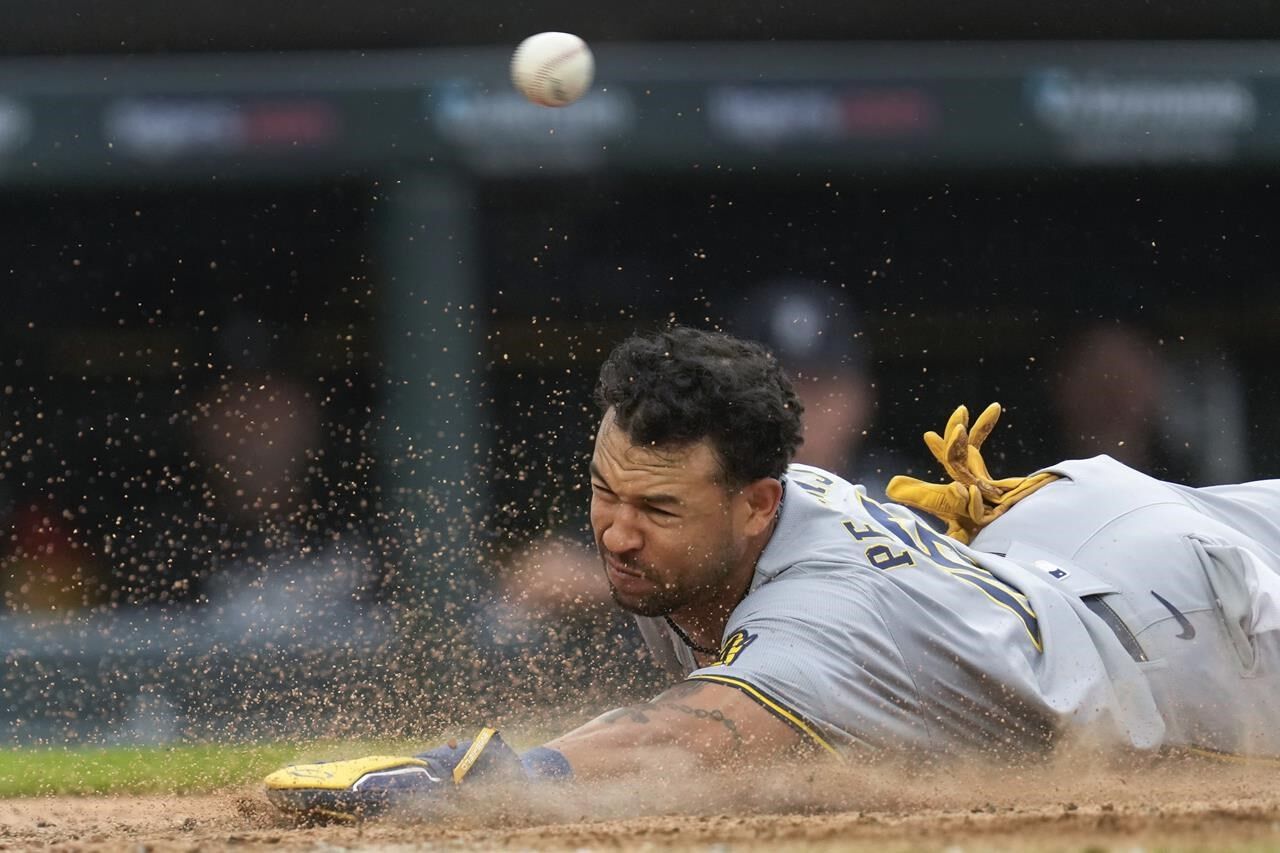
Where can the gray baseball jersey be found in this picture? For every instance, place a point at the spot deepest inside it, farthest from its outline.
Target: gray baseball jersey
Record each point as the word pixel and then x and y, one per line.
pixel 1108 606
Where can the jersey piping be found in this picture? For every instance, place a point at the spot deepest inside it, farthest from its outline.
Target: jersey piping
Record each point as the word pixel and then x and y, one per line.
pixel 774 706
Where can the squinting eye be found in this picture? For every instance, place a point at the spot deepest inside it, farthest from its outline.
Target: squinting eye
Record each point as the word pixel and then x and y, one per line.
pixel 653 510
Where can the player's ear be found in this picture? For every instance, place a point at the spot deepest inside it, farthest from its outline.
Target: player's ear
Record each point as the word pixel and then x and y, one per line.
pixel 762 498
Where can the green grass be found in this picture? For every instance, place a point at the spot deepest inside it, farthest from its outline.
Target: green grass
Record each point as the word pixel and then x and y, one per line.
pixel 191 768
pixel 139 769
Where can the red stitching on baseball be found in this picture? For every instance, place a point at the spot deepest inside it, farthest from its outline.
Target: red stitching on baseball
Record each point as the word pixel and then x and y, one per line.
pixel 544 72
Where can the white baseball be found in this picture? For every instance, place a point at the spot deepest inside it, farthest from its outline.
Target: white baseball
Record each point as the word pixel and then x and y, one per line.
pixel 553 69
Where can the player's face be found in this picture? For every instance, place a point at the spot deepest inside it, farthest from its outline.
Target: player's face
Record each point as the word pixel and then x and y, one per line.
pixel 670 534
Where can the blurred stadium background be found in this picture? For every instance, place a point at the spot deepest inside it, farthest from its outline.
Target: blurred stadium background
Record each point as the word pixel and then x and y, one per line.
pixel 302 306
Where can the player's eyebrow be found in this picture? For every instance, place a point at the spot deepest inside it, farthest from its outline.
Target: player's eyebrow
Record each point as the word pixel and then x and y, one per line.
pixel 661 499
pixel 655 499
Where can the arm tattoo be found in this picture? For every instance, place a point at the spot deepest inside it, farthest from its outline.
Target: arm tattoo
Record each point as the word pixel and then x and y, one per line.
pixel 683 690
pixel 704 714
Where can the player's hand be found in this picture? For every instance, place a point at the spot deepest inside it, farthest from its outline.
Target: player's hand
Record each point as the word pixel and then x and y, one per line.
pixel 960 452
pixel 974 498
pixel 365 787
pixel 959 506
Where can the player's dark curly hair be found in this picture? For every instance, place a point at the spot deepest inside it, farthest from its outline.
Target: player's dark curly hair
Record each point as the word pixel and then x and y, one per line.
pixel 675 387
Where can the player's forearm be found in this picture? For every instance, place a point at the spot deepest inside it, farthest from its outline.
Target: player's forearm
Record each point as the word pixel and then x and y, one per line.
pixel 695 724
pixel 649 736
pixel 603 755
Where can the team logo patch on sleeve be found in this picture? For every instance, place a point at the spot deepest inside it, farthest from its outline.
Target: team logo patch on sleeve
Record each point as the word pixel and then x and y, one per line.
pixel 733 647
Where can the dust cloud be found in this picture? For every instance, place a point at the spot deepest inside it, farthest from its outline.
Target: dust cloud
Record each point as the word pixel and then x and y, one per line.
pixel 1071 780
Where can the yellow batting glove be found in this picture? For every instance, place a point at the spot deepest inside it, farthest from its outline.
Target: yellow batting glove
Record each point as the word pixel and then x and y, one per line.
pixel 958 505
pixel 974 498
pixel 960 453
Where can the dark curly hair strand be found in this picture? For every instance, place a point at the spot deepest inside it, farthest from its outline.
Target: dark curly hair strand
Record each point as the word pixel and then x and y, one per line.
pixel 678 386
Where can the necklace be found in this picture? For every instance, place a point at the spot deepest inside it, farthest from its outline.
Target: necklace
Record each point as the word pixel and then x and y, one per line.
pixel 684 638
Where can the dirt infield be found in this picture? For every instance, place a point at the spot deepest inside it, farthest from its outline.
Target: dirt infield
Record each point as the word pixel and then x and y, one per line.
pixel 1188 807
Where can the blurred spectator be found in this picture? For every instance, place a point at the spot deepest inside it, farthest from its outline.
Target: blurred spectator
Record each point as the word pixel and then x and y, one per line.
pixel 45 570
pixel 274 545
pixel 554 578
pixel 258 438
pixel 1112 397
pixel 818 338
